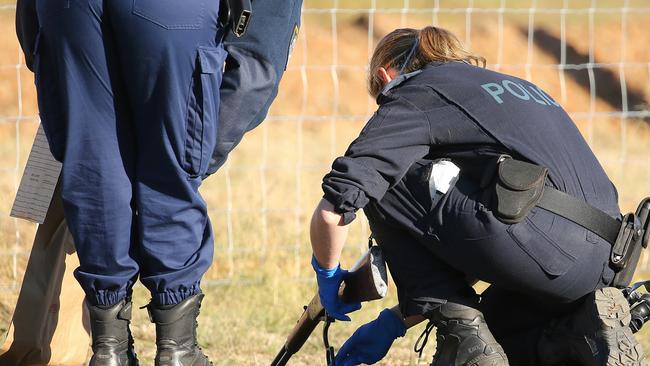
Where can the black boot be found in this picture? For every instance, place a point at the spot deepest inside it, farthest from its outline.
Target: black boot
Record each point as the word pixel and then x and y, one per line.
pixel 112 340
pixel 463 338
pixel 596 334
pixel 176 333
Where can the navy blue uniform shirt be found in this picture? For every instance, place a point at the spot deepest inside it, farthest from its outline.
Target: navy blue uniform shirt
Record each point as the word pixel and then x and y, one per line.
pixel 456 110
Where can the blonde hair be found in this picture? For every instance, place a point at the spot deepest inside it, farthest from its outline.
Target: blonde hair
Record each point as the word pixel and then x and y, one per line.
pixel 433 44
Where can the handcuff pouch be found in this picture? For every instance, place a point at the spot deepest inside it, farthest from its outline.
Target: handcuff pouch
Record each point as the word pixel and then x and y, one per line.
pixel 518 188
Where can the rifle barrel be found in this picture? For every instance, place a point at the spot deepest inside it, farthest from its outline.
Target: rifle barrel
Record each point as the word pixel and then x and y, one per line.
pixel 282 358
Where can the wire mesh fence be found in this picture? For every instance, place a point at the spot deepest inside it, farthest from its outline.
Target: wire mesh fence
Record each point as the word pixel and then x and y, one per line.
pixel 590 55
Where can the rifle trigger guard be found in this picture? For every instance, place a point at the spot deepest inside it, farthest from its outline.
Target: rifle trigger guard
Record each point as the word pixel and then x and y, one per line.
pixel 329 350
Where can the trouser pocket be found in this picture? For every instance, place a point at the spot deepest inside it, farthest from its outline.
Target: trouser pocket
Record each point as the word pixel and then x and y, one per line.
pixel 544 250
pixel 203 109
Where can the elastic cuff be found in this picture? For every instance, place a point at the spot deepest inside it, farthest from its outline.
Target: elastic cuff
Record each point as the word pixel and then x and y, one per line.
pixel 173 297
pixel 324 272
pixel 106 297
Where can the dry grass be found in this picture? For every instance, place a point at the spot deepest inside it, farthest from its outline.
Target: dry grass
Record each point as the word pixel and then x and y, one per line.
pixel 266 193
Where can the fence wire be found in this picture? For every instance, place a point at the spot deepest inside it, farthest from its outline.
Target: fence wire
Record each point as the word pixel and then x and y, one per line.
pixel 322 62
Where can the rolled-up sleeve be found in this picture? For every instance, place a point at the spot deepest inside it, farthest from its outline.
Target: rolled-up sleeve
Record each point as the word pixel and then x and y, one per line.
pixel 394 138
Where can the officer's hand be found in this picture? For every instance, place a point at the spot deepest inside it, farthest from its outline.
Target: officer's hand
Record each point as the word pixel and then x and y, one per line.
pixel 329 282
pixel 371 341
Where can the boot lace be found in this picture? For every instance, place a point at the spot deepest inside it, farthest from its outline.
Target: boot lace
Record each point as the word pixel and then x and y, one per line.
pixel 423 339
pixel 196 336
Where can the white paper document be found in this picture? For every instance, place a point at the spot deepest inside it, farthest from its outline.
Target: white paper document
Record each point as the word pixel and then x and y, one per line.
pixel 38 183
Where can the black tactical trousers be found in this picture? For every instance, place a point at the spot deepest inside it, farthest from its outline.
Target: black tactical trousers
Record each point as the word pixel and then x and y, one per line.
pixel 538 268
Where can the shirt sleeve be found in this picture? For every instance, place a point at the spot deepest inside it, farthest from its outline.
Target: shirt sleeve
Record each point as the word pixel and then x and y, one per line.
pixel 394 138
pixel 27 29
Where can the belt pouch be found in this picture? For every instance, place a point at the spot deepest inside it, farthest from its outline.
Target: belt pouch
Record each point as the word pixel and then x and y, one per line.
pixel 518 188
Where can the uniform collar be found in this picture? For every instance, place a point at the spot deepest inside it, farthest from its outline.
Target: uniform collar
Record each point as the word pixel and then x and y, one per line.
pixel 399 80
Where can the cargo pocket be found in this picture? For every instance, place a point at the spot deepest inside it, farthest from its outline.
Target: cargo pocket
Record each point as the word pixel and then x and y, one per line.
pixel 203 110
pixel 172 14
pixel 551 258
pixel 46 79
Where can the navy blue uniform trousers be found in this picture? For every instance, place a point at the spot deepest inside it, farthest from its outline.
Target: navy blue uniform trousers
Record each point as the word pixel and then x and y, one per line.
pixel 128 92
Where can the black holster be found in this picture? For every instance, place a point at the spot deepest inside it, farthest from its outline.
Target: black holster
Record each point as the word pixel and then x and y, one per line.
pixel 236 14
pixel 631 240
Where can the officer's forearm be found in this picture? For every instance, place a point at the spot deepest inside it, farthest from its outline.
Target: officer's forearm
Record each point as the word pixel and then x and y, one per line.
pixel 327 234
pixel 409 321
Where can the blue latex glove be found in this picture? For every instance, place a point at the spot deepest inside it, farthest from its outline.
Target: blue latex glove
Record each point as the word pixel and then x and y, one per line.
pixel 371 341
pixel 329 282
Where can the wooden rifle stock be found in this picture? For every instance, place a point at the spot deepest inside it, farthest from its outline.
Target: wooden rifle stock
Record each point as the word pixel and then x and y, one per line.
pixel 367 280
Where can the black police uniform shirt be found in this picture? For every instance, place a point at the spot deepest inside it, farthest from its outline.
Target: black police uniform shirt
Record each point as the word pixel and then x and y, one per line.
pixel 468 114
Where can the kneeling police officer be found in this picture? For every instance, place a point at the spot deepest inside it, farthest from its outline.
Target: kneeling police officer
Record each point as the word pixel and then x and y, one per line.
pixel 466 173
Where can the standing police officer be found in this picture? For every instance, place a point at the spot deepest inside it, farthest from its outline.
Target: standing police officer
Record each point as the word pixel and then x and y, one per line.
pixel 128 93
pixel 129 103
pixel 448 134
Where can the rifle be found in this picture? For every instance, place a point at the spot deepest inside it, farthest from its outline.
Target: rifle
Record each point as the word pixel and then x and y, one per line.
pixel 367 281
